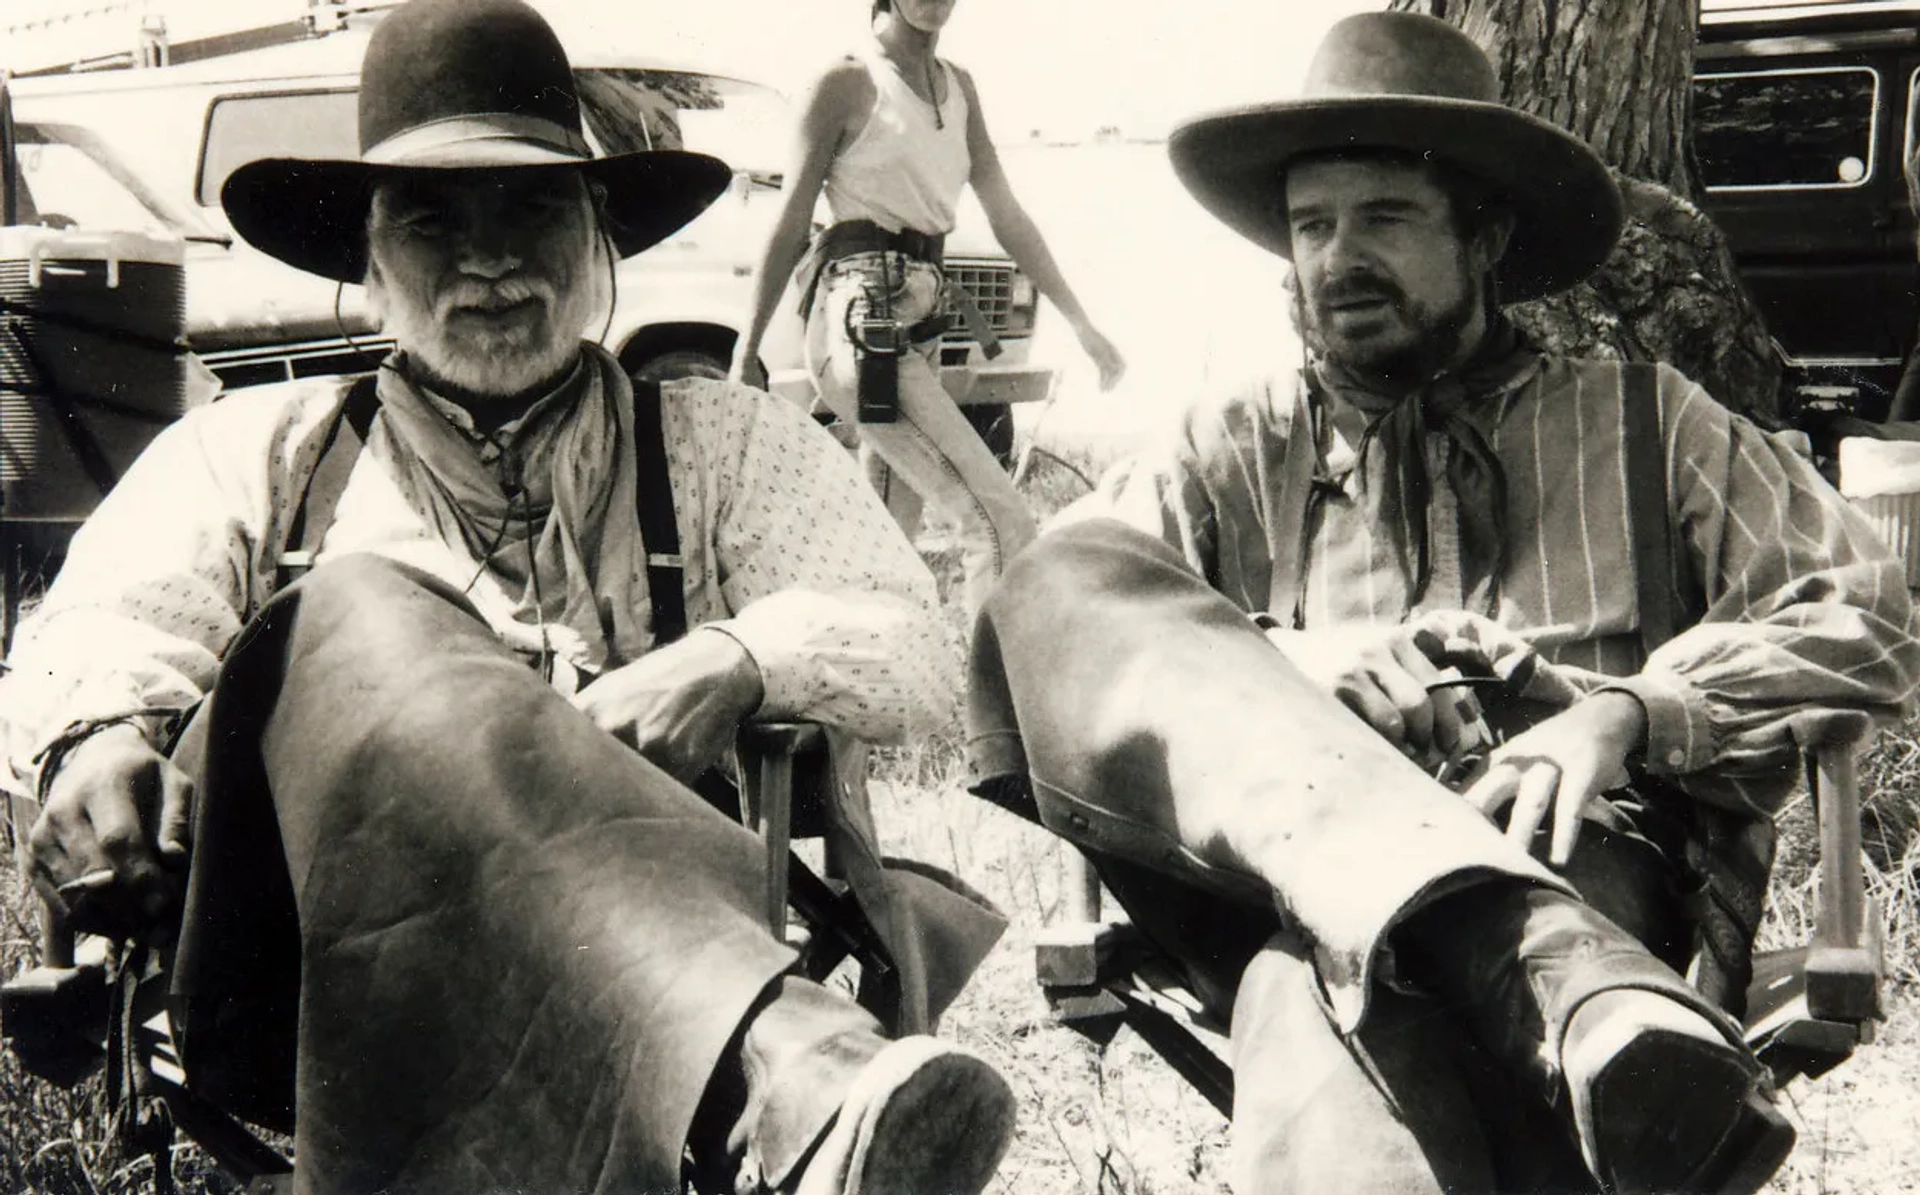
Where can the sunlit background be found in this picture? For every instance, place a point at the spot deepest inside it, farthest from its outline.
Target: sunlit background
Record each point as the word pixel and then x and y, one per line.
pixel 1078 93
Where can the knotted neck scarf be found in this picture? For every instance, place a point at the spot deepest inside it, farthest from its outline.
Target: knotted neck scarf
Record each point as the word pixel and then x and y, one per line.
pixel 1398 427
pixel 535 518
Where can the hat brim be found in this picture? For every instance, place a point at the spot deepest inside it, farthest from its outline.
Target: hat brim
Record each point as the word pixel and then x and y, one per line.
pixel 1567 212
pixel 312 214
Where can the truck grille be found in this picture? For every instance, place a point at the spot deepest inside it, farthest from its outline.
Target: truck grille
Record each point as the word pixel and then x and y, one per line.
pixel 991 285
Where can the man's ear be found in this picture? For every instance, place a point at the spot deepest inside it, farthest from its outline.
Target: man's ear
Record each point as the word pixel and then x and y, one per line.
pixel 1491 239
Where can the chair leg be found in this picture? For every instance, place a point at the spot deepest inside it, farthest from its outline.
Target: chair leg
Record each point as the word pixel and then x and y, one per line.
pixel 775 802
pixel 1083 888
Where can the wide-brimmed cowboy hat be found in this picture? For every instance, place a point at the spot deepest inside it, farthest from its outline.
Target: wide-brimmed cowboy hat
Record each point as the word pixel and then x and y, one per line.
pixel 458 85
pixel 1417 85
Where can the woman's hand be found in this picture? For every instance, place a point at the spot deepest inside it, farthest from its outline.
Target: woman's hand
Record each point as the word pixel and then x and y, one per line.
pixel 746 369
pixel 1106 358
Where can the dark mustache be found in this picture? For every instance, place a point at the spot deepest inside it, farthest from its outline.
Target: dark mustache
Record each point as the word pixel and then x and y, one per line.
pixel 1358 287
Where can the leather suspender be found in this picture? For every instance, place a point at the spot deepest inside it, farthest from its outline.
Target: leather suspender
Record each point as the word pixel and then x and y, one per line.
pixel 1644 453
pixel 328 481
pixel 659 529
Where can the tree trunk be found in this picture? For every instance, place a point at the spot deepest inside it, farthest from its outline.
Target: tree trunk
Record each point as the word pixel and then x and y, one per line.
pixel 1618 73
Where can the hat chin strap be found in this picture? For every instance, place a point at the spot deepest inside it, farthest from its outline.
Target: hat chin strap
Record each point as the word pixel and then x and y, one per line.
pixel 436 137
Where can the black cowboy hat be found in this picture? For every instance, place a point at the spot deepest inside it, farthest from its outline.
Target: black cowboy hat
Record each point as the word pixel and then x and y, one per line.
pixel 458 85
pixel 1414 84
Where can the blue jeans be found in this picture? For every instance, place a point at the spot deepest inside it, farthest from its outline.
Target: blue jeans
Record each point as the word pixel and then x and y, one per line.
pixel 931 447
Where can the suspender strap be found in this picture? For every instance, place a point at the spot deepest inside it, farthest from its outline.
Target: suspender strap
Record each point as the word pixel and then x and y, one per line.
pixel 328 481
pixel 1644 451
pixel 659 529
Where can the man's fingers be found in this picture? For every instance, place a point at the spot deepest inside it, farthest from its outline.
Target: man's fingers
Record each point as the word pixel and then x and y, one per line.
pixel 1494 789
pixel 1409 700
pixel 1364 696
pixel 176 814
pixel 1532 799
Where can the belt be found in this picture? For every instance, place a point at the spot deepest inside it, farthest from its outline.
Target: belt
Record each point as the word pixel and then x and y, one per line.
pixel 864 236
pixel 851 237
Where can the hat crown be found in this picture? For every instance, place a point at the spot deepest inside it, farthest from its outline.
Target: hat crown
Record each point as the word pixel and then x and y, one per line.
pixel 1400 54
pixel 438 60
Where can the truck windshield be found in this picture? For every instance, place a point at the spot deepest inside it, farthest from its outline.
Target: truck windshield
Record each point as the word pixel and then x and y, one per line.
pixel 624 110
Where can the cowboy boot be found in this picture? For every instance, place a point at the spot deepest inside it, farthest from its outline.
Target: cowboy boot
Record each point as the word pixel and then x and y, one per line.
pixel 817 1102
pixel 1653 1083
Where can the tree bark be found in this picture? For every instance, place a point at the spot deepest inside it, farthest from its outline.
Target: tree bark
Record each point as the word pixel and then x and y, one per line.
pixel 1618 74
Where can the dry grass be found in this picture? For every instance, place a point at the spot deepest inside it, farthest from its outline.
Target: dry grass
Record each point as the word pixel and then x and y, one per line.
pixel 1115 1120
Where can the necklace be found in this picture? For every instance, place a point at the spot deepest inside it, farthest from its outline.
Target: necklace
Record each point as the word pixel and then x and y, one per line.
pixel 933 96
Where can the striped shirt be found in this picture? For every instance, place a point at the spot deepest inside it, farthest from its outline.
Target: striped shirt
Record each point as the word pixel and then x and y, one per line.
pixel 1798 627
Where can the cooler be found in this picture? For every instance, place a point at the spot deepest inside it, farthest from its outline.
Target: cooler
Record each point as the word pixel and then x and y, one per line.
pixel 92 362
pixel 1882 479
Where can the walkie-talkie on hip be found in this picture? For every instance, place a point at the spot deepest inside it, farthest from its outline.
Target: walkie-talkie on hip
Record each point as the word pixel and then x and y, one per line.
pixel 878 340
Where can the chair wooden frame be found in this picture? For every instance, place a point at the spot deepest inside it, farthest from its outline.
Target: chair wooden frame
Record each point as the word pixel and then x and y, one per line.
pixel 1809 1007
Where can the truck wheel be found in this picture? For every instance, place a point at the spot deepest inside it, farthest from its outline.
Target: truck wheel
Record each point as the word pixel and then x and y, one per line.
pixel 994 422
pixel 681 363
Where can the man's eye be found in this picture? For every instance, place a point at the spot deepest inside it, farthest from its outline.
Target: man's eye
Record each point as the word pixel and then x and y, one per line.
pixel 422 224
pixel 1312 230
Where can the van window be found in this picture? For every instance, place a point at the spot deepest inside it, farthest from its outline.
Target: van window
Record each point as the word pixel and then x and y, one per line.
pixel 296 124
pixel 68 178
pixel 1785 129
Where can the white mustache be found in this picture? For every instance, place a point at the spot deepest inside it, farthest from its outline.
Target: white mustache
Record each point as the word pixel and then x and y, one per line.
pixel 503 292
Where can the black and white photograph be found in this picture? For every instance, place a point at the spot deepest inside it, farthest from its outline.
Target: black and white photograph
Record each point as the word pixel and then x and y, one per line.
pixel 959 597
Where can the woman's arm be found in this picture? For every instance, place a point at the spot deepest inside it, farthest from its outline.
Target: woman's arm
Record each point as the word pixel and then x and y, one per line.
pixel 1017 233
pixel 835 103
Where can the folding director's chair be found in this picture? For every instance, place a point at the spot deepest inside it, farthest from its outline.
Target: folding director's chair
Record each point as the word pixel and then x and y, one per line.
pixel 65 1020
pixel 1808 1007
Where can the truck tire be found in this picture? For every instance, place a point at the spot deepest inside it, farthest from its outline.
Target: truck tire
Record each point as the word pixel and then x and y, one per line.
pixel 994 422
pixel 681 363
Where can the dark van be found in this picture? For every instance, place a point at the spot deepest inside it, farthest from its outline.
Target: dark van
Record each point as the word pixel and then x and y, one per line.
pixel 1803 117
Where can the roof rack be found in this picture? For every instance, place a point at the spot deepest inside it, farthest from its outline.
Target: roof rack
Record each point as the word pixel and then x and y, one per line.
pixel 152 44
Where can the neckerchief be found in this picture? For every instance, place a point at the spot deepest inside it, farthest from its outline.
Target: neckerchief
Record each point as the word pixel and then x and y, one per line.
pixel 530 502
pixel 1399 426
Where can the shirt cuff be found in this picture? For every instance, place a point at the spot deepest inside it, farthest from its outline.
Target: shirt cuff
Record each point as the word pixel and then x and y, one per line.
pixel 1679 736
pixel 785 690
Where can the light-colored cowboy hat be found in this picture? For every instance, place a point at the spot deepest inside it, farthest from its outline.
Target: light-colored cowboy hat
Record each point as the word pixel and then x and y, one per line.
pixel 1414 84
pixel 458 85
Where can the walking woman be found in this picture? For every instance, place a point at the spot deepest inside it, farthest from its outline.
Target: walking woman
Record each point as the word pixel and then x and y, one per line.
pixel 893 134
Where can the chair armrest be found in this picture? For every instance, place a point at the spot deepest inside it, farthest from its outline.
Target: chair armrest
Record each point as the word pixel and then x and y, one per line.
pixel 1844 962
pixel 760 739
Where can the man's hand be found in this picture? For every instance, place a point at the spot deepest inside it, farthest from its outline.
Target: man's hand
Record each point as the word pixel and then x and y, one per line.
pixel 110 848
pixel 1386 675
pixel 679 706
pixel 1559 766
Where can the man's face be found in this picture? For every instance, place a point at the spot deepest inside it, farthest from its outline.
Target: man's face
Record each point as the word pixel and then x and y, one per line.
pixel 1388 284
pixel 486 280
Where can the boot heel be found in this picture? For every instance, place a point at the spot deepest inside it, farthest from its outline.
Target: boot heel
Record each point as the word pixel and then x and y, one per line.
pixel 1662 1110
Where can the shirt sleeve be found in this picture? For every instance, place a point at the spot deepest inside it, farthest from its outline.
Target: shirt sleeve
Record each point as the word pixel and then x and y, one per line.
pixel 824 591
pixel 1212 488
pixel 1807 633
pixel 155 584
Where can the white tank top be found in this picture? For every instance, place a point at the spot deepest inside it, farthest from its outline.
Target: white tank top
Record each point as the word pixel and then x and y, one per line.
pixel 903 171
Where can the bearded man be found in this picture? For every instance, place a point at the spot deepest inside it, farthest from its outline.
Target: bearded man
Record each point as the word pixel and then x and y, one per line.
pixel 452 915
pixel 1243 678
